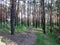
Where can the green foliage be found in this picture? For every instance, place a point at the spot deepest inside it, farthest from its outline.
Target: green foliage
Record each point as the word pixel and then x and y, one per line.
pixel 20 28
pixel 46 39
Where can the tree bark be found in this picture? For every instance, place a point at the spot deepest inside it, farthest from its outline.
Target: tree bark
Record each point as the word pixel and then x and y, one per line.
pixel 43 16
pixel 12 16
pixel 51 23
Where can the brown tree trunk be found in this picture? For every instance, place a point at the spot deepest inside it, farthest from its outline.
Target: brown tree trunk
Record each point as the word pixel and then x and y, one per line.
pixel 43 15
pixel 51 23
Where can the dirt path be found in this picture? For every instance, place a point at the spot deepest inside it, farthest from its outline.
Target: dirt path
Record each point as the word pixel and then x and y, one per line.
pixel 24 38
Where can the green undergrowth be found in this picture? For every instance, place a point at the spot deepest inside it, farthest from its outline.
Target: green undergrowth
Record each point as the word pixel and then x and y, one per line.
pixel 20 28
pixel 48 38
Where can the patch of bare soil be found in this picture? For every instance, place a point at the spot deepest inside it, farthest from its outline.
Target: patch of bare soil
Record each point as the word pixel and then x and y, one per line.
pixel 23 38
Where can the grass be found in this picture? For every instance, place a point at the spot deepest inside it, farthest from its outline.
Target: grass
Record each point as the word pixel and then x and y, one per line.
pixel 20 28
pixel 48 38
pixel 45 39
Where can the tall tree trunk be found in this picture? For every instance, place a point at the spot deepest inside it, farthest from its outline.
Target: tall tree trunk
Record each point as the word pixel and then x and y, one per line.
pixel 16 14
pixel 43 16
pixel 1 15
pixel 59 25
pixel 28 15
pixel 51 24
pixel 12 16
pixel 57 17
pixel 34 15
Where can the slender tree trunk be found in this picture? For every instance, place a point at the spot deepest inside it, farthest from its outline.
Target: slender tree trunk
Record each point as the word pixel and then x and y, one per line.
pixel 59 25
pixel 43 15
pixel 1 15
pixel 34 14
pixel 51 23
pixel 16 14
pixel 57 18
pixel 28 15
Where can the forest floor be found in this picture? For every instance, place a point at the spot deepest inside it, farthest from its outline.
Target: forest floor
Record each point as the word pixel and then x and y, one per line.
pixel 23 38
pixel 30 37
